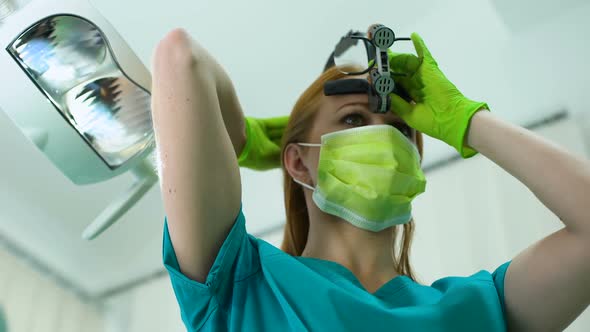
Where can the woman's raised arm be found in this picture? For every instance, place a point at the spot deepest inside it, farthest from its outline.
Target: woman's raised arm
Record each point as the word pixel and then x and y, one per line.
pixel 199 128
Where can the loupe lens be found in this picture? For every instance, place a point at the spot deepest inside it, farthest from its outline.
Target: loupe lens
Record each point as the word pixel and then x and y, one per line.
pixel 351 56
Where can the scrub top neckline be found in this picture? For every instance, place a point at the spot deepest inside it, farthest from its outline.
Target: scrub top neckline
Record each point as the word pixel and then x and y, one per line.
pixel 338 270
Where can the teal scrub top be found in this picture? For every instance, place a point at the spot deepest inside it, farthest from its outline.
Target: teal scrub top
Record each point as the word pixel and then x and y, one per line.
pixel 3 327
pixel 254 286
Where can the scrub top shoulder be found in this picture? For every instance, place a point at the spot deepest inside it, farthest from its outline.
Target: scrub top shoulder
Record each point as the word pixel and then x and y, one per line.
pixel 255 286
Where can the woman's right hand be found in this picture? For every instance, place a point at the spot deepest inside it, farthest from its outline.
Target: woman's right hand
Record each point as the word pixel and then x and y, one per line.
pixel 440 110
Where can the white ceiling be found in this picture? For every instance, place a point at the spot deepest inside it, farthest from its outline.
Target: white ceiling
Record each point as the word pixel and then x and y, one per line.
pixel 526 59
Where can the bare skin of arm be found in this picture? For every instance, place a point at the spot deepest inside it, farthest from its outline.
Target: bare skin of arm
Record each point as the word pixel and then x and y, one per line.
pixel 546 285
pixel 199 128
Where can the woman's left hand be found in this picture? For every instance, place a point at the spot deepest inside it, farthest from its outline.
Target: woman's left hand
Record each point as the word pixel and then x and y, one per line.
pixel 440 110
pixel 263 143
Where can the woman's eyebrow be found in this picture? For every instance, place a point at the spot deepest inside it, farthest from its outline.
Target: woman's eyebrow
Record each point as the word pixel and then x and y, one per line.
pixel 357 103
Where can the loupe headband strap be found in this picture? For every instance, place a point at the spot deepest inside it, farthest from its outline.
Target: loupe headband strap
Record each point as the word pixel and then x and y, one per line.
pixel 347 86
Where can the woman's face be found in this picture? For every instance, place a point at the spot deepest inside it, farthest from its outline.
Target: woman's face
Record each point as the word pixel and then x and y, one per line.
pixel 344 112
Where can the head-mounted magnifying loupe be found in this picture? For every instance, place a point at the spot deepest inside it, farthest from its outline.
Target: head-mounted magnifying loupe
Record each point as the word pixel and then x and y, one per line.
pixel 356 54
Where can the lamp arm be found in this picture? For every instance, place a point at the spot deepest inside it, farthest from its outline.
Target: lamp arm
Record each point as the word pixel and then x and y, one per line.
pixel 145 179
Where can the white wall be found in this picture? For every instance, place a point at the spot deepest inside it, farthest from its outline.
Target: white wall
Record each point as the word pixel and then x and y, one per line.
pixel 34 303
pixel 473 216
pixel 151 307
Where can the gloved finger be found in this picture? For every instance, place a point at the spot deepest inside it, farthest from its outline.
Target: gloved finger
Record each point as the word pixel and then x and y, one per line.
pixel 277 142
pixel 410 85
pixel 402 92
pixel 403 62
pixel 420 46
pixel 275 133
pixel 400 107
pixel 254 126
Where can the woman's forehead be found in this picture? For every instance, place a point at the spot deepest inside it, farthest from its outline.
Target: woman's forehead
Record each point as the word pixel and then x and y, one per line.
pixel 338 101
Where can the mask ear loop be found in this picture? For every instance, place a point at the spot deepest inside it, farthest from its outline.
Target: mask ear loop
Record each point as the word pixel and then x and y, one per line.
pixel 304 184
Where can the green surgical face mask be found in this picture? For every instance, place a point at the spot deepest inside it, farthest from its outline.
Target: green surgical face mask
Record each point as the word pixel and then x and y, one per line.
pixel 368 176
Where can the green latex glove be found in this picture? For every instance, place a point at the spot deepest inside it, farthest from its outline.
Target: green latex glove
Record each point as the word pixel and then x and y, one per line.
pixel 263 143
pixel 441 111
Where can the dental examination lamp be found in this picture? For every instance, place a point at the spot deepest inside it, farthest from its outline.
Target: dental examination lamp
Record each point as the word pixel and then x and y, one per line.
pixel 78 92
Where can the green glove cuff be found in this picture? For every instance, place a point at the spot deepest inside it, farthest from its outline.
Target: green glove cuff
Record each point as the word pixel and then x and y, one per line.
pixel 250 157
pixel 461 145
pixel 243 158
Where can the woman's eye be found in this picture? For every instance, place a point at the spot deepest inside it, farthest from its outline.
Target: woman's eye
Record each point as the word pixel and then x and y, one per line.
pixel 353 119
